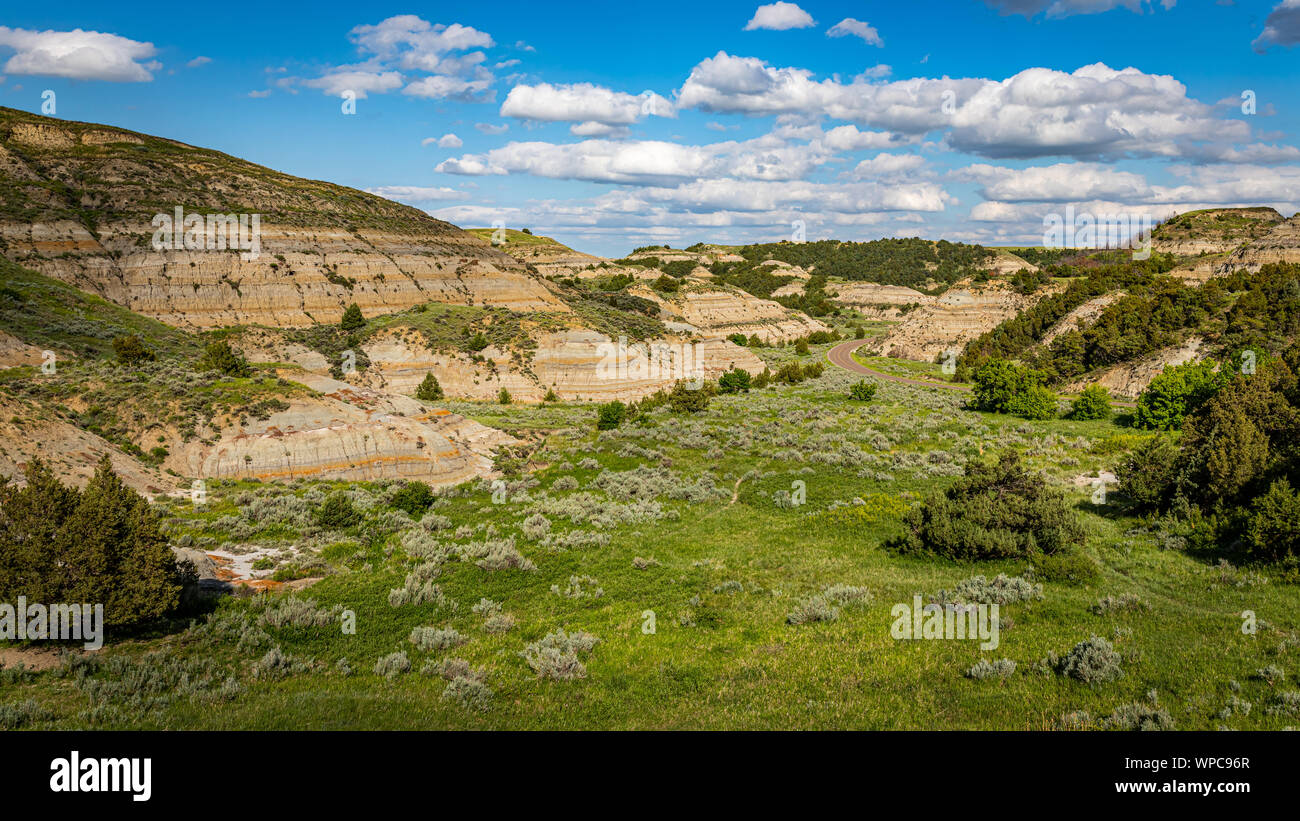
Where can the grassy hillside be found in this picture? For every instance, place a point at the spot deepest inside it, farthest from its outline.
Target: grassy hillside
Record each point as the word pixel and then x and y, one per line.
pixel 689 518
pixel 91 174
pixel 47 313
pixel 1225 227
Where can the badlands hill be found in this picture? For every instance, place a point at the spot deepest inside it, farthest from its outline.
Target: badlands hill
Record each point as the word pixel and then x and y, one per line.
pixel 81 265
pixel 163 421
pixel 79 202
pixel 1218 282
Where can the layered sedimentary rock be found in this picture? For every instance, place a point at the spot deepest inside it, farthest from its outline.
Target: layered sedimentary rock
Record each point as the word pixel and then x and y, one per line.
pixel 950 321
pixel 548 257
pixel 718 311
pixel 870 293
pixel 91 205
pixel 302 275
pixel 1280 244
pixel 576 364
pixel 1213 231
pixel 348 432
pixel 1080 317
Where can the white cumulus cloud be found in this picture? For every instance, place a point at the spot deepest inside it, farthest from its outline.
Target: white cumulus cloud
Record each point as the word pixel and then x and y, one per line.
pixel 78 55
pixel 780 16
pixel 581 103
pixel 856 28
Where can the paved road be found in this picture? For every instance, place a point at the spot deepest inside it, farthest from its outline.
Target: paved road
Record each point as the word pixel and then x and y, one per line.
pixel 842 356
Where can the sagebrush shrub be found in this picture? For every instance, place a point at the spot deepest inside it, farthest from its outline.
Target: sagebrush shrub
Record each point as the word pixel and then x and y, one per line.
pixel 1092 662
pixel 393 665
pixel 812 609
pixel 985 669
pixel 1126 601
pixel 555 656
pixel 1003 589
pixel 435 638
pixel 470 693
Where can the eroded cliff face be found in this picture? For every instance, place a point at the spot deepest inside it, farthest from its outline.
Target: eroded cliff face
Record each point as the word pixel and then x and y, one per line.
pixel 302 275
pixel 1280 244
pixel 1128 379
pixel 720 310
pixel 576 364
pixel 1213 231
pixel 348 432
pixel 81 202
pixel 26 433
pixel 951 320
pixel 870 294
pixel 545 255
pixel 1080 317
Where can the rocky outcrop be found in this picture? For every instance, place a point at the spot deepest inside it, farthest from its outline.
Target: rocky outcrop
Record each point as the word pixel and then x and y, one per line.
pixel 720 310
pixel 1280 244
pixel 302 275
pixel 547 256
pixel 872 294
pixel 1079 317
pixel 1005 263
pixel 347 432
pixel 85 203
pixel 1128 379
pixel 1212 231
pixel 951 320
pixel 576 364
pixel 28 432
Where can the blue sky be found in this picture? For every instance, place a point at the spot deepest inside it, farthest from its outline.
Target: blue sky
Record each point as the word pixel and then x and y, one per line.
pixel 615 125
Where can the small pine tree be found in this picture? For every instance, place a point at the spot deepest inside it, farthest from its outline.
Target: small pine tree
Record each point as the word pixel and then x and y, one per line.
pixel 551 396
pixel 219 356
pixel 130 350
pixel 414 498
pixel 103 545
pixel 337 512
pixel 735 380
pixel 352 319
pixel 477 342
pixel 801 347
pixel 503 398
pixel 683 399
pixel 429 390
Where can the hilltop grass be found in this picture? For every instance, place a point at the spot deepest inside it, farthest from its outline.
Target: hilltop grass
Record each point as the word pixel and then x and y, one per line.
pixel 721 578
pixel 513 237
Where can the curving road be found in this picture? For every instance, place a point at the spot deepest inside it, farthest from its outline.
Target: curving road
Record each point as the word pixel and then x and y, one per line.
pixel 842 356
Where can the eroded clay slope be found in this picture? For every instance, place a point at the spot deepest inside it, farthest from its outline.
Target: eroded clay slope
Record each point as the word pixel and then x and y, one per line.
pixel 951 320
pixel 80 200
pixel 348 432
pixel 577 364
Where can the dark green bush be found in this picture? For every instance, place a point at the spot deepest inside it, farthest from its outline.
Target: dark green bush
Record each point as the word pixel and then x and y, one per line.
pixel 994 511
